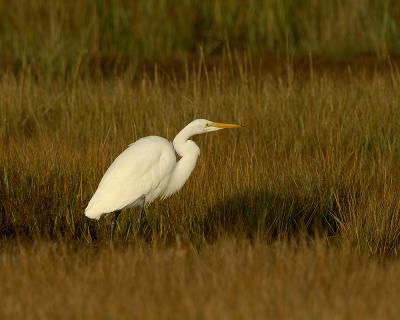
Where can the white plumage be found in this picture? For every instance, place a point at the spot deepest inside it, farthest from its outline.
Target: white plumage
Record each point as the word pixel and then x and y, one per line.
pixel 148 169
pixel 143 169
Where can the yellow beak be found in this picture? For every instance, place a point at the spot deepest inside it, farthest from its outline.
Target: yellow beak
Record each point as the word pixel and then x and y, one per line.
pixel 225 125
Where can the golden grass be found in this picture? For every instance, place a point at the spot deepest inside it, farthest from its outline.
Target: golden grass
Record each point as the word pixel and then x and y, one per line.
pixel 294 216
pixel 231 279
pixel 319 154
pixel 61 38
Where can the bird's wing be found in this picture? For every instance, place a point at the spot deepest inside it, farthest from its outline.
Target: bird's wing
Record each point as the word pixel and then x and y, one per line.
pixel 133 174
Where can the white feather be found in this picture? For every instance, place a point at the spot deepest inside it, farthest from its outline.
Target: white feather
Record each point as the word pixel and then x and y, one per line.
pixel 142 170
pixel 148 169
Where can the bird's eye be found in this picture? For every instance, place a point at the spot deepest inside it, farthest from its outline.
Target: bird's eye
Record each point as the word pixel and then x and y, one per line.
pixel 207 125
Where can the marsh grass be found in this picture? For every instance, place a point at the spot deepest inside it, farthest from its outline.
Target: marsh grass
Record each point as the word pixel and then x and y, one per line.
pixel 232 279
pixel 296 215
pixel 68 39
pixel 318 156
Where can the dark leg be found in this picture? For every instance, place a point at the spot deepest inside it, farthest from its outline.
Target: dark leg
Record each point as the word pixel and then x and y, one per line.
pixel 114 223
pixel 140 219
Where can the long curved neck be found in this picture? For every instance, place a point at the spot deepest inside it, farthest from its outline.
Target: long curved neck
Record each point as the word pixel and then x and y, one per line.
pixel 189 152
pixel 184 146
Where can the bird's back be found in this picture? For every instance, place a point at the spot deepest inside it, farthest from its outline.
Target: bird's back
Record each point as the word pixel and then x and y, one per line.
pixel 142 170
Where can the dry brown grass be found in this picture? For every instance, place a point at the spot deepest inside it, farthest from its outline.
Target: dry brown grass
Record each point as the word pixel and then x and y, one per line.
pixel 294 216
pixel 319 153
pixel 62 38
pixel 232 279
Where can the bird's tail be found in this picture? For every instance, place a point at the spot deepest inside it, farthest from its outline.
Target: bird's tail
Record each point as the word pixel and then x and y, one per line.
pixel 91 213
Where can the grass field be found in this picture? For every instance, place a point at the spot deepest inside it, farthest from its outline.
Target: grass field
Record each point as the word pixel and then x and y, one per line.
pixel 294 216
pixel 58 39
pixel 233 279
pixel 298 208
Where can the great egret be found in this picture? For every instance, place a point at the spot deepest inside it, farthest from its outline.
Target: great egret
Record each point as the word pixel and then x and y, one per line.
pixel 148 169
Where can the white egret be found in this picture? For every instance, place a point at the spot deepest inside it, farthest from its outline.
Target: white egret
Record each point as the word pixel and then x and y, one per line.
pixel 148 169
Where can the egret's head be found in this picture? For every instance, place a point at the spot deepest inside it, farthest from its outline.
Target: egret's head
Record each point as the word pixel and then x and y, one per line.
pixel 203 125
pixel 183 145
